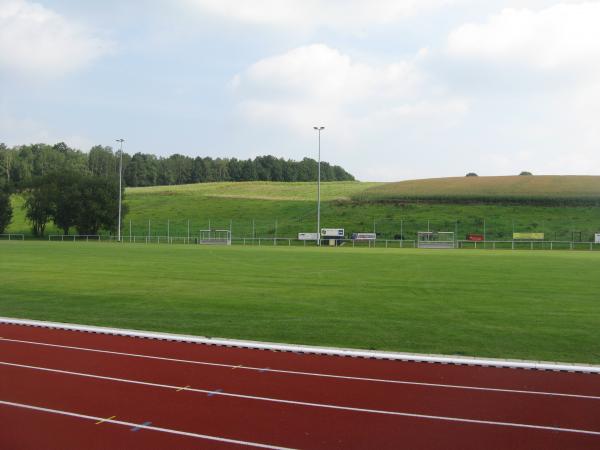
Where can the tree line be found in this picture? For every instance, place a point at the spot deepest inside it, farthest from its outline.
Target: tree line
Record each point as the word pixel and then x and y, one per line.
pixel 79 190
pixel 21 164
pixel 72 200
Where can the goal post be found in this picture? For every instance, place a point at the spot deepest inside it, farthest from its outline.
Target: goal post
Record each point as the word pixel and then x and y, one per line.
pixel 215 237
pixel 436 239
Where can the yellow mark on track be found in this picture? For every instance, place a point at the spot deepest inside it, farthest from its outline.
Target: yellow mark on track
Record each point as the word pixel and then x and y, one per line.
pixel 104 420
pixel 182 388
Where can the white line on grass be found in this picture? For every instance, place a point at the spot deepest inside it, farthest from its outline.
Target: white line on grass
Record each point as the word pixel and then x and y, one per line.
pixel 315 405
pixel 310 374
pixel 141 426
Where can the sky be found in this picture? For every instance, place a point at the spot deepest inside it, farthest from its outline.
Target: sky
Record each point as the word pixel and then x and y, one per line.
pixel 404 88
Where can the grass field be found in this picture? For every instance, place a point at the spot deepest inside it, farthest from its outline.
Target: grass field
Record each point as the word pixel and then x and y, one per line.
pixel 529 305
pixel 517 189
pixel 284 209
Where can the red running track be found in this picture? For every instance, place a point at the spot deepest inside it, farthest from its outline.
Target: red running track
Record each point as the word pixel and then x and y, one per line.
pixel 71 390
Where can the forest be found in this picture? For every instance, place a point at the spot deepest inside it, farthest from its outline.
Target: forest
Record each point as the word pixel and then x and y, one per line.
pixel 20 165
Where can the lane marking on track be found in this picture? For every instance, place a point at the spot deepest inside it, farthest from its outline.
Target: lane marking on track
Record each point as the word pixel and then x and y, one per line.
pixel 237 367
pixel 182 388
pixel 143 426
pixel 310 374
pixel 315 405
pixel 101 421
pixel 137 427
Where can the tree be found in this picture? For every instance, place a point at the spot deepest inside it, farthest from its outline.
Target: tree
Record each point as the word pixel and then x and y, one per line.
pixel 472 174
pixel 64 191
pixel 39 206
pixel 525 174
pixel 6 210
pixel 97 205
pixel 102 161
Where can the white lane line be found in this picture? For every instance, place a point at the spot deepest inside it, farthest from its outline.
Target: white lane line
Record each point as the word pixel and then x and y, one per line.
pixel 143 426
pixel 314 405
pixel 310 374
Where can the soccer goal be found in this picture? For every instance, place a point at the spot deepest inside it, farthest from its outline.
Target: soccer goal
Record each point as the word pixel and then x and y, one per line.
pixel 435 239
pixel 215 237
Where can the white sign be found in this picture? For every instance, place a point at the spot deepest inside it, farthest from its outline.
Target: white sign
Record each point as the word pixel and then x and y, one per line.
pixel 332 232
pixel 597 238
pixel 308 236
pixel 364 236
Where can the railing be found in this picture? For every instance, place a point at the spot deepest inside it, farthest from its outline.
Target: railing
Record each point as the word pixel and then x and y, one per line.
pixel 76 237
pixel 12 237
pixel 529 245
pixel 354 243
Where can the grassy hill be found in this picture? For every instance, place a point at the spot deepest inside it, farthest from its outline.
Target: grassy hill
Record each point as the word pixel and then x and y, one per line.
pixel 548 189
pixel 283 209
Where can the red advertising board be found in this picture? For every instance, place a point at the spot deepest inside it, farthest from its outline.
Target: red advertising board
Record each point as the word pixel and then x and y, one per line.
pixel 475 237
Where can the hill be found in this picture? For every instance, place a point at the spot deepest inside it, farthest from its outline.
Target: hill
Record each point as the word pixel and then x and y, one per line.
pixel 547 189
pixel 264 209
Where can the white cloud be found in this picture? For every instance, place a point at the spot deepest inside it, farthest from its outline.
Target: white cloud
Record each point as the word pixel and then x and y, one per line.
pixel 566 35
pixel 19 131
pixel 317 83
pixel 39 42
pixel 363 106
pixel 316 13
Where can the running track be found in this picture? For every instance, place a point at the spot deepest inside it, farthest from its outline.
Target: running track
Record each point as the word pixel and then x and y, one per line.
pixel 65 390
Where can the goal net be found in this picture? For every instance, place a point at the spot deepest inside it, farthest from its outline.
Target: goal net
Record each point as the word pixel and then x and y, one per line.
pixel 435 239
pixel 215 237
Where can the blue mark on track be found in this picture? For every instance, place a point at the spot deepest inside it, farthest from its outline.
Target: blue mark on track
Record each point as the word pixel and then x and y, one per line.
pixel 145 424
pixel 210 394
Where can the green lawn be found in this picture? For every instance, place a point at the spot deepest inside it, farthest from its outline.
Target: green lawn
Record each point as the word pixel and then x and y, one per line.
pixel 529 305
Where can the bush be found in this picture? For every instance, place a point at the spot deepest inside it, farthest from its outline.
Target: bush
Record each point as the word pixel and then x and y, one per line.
pixel 472 174
pixel 525 174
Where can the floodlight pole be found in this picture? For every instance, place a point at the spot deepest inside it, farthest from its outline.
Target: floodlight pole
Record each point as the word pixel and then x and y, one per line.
pixel 120 141
pixel 319 129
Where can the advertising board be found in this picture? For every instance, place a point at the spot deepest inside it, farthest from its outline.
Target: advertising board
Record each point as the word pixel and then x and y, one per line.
pixel 597 240
pixel 475 237
pixel 332 232
pixel 529 236
pixel 308 236
pixel 364 236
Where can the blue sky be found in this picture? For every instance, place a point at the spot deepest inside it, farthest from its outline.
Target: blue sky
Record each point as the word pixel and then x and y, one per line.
pixel 405 88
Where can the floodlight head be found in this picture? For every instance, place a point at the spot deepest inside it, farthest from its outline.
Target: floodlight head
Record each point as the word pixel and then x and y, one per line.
pixel 120 140
pixel 319 128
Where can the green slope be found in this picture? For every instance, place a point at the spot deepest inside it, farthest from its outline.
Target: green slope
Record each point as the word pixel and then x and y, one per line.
pixel 519 189
pixel 284 209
